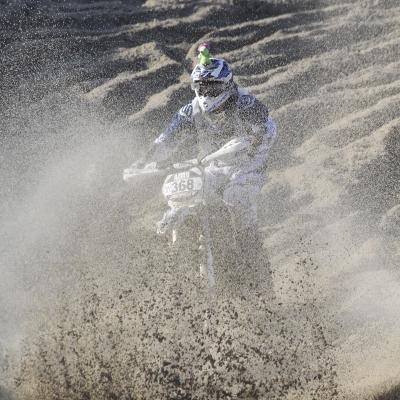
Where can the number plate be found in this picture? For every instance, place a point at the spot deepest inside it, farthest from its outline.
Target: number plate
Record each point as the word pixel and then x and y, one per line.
pixel 181 184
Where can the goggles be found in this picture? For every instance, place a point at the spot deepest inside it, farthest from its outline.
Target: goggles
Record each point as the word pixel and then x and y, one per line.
pixel 210 88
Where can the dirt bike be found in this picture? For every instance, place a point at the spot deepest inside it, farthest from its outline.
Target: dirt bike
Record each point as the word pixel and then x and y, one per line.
pixel 193 203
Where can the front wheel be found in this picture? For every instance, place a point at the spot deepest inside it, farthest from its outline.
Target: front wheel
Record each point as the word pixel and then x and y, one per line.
pixel 191 254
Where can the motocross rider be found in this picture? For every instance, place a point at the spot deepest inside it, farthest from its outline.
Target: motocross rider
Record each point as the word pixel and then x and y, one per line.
pixel 220 112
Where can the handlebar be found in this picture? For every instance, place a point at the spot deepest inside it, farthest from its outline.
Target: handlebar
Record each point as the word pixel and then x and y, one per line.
pixel 230 149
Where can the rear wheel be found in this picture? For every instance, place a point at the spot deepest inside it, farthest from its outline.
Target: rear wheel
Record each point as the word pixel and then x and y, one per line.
pixel 242 263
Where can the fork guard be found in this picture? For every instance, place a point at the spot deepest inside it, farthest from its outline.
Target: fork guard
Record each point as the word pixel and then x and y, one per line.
pixel 173 218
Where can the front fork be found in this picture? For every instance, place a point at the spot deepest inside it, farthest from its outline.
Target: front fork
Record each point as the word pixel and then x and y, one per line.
pixel 206 250
pixel 206 244
pixel 207 271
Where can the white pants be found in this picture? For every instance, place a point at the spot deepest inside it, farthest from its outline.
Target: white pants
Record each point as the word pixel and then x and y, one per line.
pixel 238 191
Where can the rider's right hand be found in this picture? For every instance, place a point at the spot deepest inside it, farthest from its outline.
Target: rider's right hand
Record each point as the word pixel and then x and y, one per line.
pixel 139 164
pixel 164 164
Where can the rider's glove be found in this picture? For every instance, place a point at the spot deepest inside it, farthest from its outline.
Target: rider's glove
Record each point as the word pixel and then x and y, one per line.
pixel 138 164
pixel 163 164
pixel 145 159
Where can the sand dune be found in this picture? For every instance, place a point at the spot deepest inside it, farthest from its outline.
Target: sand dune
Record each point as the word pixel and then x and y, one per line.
pixel 84 86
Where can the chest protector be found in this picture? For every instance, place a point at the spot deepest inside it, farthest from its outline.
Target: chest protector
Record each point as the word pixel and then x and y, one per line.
pixel 215 129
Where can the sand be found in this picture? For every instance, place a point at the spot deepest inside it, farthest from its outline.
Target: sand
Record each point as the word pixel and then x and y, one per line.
pixel 94 306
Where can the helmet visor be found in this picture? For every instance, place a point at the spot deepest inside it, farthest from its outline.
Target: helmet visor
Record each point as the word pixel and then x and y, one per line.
pixel 209 88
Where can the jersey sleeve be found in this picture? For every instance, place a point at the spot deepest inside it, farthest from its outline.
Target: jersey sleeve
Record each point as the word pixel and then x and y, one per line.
pixel 254 112
pixel 262 127
pixel 181 120
pixel 168 141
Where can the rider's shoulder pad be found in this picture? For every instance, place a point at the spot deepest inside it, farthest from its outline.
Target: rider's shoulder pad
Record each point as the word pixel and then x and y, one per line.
pixel 245 99
pixel 252 110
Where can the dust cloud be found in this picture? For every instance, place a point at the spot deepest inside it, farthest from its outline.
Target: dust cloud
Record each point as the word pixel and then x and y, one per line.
pixel 90 295
pixel 60 164
pixel 94 306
